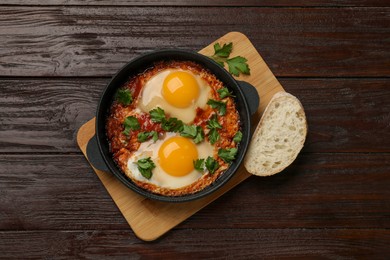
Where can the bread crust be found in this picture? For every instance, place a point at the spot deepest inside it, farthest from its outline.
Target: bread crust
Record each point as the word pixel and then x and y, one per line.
pixel 255 152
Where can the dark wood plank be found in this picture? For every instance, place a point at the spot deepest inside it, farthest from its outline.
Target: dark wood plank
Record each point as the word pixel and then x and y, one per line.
pixel 61 192
pixel 267 3
pixel 53 192
pixel 199 244
pixel 344 115
pixel 44 115
pixel 97 41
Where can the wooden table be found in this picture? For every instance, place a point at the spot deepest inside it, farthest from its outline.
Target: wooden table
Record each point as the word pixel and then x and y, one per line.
pixel 334 201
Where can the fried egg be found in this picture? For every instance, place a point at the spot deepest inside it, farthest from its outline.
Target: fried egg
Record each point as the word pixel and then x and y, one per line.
pixel 173 156
pixel 178 92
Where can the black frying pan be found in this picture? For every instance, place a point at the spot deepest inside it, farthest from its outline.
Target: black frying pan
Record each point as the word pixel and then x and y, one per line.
pixel 246 98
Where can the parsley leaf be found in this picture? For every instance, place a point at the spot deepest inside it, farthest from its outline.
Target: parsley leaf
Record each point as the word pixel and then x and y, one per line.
pixel 219 61
pixel 228 155
pixel 238 64
pixel 189 131
pixel 199 135
pixel 213 136
pixel 219 105
pixel 237 137
pixel 157 115
pixel 223 51
pixel 224 92
pixel 144 136
pixel 199 165
pixel 124 96
pixel 145 166
pixel 211 164
pixel 194 132
pixel 131 123
pixel 213 123
pixel 172 125
pixel 154 136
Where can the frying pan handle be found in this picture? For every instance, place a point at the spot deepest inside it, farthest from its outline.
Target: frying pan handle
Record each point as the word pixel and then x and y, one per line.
pixel 94 156
pixel 251 96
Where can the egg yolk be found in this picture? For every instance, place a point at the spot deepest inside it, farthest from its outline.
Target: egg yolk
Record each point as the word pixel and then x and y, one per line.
pixel 180 89
pixel 177 155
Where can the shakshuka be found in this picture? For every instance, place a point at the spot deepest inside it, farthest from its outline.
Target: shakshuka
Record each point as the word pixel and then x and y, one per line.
pixel 174 128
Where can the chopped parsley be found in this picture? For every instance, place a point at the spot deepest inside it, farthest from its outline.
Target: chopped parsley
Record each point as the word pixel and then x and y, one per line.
pixel 228 155
pixel 131 123
pixel 157 115
pixel 124 96
pixel 213 136
pixel 199 165
pixel 172 125
pixel 211 164
pixel 144 136
pixel 199 135
pixel 213 123
pixel 237 137
pixel 219 105
pixel 145 166
pixel 194 132
pixel 224 92
pixel 189 131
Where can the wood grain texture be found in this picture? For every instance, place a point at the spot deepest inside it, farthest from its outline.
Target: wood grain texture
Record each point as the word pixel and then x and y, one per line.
pixel 97 41
pixel 344 115
pixel 199 244
pixel 61 192
pixel 150 219
pixel 222 3
pixel 333 202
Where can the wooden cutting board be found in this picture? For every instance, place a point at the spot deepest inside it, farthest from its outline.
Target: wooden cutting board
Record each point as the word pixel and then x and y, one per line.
pixel 150 219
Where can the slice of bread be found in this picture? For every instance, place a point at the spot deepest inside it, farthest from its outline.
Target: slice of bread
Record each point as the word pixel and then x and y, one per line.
pixel 278 137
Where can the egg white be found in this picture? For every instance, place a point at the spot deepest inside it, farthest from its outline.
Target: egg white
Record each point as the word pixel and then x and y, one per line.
pixel 151 97
pixel 160 177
